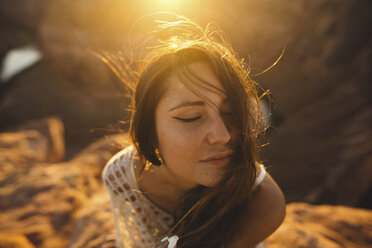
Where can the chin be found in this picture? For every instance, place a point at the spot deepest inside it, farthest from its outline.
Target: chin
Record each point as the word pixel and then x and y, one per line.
pixel 211 183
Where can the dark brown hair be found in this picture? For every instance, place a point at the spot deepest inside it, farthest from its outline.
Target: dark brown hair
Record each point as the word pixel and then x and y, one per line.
pixel 208 216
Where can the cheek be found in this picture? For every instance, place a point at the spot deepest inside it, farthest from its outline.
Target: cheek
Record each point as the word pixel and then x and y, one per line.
pixel 179 144
pixel 177 140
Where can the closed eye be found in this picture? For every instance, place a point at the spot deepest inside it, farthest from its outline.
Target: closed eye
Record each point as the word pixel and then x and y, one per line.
pixel 187 119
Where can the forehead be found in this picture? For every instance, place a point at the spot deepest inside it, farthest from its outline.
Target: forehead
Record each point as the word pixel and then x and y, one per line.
pixel 195 81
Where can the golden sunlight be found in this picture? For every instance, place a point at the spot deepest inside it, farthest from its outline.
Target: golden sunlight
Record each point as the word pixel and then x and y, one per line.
pixel 168 1
pixel 165 5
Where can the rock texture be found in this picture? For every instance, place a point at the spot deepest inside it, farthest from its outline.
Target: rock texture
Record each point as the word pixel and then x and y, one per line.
pixel 35 141
pixel 39 198
pixel 305 226
pixel 320 140
pixel 48 203
pixel 313 226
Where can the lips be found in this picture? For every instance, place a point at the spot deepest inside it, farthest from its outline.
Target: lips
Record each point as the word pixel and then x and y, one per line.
pixel 222 158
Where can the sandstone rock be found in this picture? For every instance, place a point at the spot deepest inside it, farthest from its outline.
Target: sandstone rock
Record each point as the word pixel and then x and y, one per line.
pixel 326 226
pixel 34 141
pixel 65 205
pixel 305 226
pixel 320 87
pixel 38 92
pixel 93 224
pixel 40 201
pixel 320 150
pixel 19 23
pixel 10 240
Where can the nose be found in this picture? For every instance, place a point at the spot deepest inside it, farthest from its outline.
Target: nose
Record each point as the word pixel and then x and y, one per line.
pixel 218 132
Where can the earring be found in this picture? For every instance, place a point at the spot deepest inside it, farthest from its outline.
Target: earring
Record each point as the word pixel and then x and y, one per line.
pixel 158 156
pixel 147 165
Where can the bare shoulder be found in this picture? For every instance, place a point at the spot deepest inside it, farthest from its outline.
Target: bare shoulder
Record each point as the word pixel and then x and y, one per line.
pixel 263 217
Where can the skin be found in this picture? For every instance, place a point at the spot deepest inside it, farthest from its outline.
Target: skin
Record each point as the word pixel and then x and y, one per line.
pixel 265 214
pixel 195 145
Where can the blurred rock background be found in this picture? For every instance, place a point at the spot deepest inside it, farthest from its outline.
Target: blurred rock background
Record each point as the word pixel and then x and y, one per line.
pixel 320 141
pixel 49 203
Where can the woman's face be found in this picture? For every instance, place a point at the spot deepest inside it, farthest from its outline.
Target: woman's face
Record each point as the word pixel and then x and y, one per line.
pixel 193 139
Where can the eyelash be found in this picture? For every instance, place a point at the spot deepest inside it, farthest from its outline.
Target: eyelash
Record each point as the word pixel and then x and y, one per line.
pixel 198 117
pixel 188 119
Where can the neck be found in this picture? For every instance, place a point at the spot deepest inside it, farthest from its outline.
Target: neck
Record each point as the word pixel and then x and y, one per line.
pixel 161 186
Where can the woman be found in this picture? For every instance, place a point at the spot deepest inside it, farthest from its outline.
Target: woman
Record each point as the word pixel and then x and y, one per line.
pixel 192 170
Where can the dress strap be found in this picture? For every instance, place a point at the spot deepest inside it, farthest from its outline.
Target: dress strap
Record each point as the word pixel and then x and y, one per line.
pixel 261 175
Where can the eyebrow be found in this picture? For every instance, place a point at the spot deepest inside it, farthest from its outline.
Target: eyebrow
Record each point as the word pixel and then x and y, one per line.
pixel 193 103
pixel 188 103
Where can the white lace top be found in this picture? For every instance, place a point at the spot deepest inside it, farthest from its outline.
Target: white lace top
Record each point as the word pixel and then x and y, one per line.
pixel 139 222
